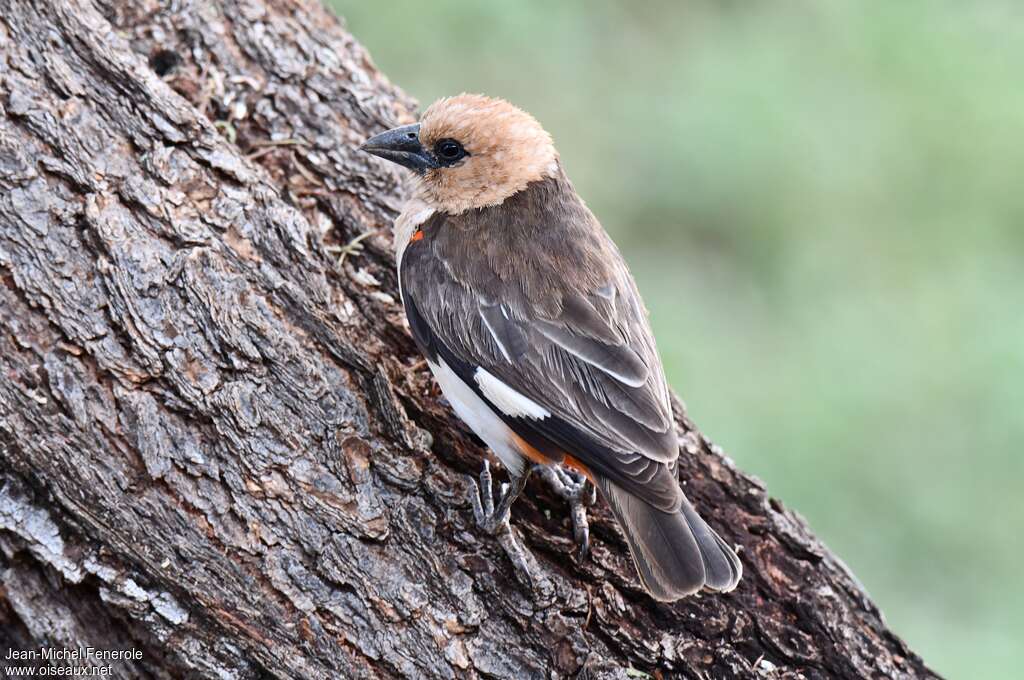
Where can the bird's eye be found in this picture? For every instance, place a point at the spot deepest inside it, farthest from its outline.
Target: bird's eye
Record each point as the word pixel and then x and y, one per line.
pixel 449 151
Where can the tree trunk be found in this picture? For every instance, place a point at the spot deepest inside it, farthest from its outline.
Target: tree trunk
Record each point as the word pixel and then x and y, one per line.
pixel 214 440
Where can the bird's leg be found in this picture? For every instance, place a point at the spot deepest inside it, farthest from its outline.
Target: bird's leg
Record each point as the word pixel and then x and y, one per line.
pixel 494 519
pixel 491 517
pixel 577 490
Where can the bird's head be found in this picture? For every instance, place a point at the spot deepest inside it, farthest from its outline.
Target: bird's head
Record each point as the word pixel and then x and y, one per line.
pixel 470 151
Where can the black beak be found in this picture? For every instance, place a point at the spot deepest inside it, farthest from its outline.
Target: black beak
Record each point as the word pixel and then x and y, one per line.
pixel 402 146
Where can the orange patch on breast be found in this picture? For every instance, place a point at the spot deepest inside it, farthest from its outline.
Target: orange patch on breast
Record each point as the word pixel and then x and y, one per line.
pixel 417 236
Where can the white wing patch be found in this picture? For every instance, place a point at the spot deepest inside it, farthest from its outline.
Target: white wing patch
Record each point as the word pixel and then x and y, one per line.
pixel 480 417
pixel 506 399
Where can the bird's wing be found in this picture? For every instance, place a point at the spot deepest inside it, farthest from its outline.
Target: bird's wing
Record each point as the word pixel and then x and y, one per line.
pixel 571 367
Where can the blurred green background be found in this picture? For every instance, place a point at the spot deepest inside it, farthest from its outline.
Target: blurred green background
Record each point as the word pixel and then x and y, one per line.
pixel 822 203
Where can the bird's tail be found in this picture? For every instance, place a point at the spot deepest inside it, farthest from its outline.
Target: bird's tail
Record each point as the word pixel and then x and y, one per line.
pixel 676 553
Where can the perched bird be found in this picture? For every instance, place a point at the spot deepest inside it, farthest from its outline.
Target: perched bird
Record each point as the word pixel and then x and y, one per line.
pixel 535 331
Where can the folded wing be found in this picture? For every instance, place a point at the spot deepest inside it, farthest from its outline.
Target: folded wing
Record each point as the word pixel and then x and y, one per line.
pixel 576 345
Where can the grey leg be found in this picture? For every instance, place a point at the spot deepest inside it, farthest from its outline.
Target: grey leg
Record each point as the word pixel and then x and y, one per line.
pixel 490 517
pixel 494 519
pixel 577 490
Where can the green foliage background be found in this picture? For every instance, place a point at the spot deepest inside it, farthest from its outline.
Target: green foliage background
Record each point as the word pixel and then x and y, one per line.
pixel 822 203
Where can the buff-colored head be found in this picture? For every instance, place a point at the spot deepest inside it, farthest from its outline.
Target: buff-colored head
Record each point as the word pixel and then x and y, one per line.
pixel 470 151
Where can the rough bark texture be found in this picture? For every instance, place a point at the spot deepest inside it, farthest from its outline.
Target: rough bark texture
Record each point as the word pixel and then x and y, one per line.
pixel 213 436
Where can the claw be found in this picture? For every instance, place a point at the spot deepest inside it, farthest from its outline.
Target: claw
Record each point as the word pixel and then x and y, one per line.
pixel 576 489
pixel 494 519
pixel 482 495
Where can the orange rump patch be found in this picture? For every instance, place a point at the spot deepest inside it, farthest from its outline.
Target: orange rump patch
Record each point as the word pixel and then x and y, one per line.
pixel 530 451
pixel 576 465
pixel 534 455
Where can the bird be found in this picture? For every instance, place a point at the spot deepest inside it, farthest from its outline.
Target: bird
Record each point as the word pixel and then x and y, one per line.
pixel 535 331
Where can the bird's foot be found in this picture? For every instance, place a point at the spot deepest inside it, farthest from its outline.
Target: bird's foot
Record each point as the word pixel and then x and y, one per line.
pixel 494 519
pixel 577 490
pixel 490 516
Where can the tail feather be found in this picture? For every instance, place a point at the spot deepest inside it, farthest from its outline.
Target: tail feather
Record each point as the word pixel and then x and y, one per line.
pixel 676 553
pixel 722 566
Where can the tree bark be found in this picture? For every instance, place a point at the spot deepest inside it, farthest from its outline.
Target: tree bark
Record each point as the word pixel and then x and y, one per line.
pixel 214 437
